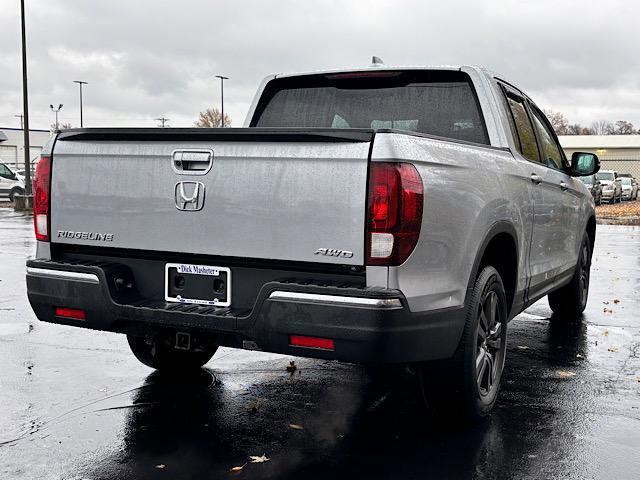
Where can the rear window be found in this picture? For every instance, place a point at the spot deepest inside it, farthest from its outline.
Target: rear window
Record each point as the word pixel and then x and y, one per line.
pixel 604 176
pixel 441 103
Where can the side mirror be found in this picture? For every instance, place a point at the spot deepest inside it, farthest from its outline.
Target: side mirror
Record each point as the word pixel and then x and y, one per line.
pixel 584 164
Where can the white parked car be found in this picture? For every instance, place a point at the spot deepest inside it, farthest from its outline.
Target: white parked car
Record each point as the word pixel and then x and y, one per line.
pixel 629 188
pixel 611 185
pixel 11 183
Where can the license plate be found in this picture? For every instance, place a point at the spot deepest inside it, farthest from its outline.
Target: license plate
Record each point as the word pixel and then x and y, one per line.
pixel 199 284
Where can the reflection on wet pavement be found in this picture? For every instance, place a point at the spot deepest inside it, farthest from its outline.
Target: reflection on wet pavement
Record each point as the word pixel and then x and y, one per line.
pixel 76 404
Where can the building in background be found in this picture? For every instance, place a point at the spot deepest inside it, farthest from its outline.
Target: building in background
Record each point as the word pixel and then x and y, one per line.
pixel 12 145
pixel 616 152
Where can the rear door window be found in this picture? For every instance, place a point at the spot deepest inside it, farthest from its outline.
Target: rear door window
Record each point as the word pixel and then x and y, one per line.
pixel 434 102
pixel 526 141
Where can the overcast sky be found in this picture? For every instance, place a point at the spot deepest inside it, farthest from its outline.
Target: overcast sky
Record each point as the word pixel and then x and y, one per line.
pixel 144 59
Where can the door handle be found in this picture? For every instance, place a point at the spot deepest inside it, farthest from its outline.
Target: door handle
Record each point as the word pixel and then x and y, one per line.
pixel 564 186
pixel 536 179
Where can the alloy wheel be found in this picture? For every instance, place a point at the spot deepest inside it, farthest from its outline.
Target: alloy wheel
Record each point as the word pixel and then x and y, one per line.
pixel 490 346
pixel 584 272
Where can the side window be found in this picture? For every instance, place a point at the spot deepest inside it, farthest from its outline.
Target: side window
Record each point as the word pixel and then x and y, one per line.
pixel 552 156
pixel 528 146
pixel 4 171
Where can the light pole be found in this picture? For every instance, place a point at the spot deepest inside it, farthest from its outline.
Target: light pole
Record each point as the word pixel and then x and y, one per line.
pixel 25 106
pixel 222 79
pixel 56 110
pixel 21 117
pixel 80 83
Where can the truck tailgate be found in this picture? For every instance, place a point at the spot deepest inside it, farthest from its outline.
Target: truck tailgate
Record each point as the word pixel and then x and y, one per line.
pixel 269 194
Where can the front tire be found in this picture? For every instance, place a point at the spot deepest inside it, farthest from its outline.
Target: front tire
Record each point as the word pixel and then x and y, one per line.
pixel 570 301
pixel 14 192
pixel 467 386
pixel 160 354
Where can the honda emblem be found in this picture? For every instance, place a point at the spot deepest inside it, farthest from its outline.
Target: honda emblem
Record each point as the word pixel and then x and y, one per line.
pixel 189 196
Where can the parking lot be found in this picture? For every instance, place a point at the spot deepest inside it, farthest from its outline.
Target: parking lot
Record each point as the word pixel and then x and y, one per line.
pixel 77 404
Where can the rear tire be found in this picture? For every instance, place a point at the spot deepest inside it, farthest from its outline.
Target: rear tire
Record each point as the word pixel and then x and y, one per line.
pixel 160 354
pixel 570 301
pixel 466 387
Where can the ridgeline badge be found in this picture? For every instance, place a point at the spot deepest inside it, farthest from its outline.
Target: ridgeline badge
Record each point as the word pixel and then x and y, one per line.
pixel 99 237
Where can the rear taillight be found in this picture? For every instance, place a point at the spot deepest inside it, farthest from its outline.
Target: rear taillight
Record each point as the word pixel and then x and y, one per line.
pixel 42 199
pixel 394 212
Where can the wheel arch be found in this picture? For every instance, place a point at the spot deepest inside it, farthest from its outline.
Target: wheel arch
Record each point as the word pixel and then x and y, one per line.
pixel 499 248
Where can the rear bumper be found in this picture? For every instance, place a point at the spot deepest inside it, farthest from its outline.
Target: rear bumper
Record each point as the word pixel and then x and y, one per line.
pixel 367 325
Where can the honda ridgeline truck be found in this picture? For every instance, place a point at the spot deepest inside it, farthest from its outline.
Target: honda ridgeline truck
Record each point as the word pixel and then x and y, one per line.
pixel 374 215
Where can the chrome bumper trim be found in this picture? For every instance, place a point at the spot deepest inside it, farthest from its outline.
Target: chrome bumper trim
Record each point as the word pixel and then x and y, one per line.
pixel 336 300
pixel 63 275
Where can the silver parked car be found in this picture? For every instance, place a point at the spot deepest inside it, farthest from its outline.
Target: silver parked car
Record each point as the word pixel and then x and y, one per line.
pixel 371 215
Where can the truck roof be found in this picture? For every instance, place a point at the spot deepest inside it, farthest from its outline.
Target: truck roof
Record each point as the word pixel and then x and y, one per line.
pixel 379 66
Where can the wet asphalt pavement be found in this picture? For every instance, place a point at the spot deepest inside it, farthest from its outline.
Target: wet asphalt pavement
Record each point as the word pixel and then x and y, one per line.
pixel 76 404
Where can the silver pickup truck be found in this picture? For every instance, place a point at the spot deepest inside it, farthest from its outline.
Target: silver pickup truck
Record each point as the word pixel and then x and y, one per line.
pixel 374 215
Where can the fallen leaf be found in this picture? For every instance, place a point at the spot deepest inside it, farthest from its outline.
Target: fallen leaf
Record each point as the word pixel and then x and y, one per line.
pixel 579 355
pixel 606 303
pixel 291 367
pixel 565 374
pixel 296 427
pixel 253 406
pixel 612 349
pixel 605 333
pixel 522 347
pixel 608 310
pixel 237 469
pixel 261 459
pixel 160 466
pixel 615 300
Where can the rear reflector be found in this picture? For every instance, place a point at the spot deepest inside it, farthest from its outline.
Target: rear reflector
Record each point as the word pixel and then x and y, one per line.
pixel 72 313
pixel 311 342
pixel 394 212
pixel 42 199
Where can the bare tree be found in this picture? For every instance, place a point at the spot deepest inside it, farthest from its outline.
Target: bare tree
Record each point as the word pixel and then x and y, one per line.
pixel 574 129
pixel 211 118
pixel 558 121
pixel 61 126
pixel 602 127
pixel 624 128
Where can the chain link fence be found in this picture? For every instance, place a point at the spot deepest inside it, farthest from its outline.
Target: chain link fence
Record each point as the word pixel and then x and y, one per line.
pixel 618 160
pixel 621 164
